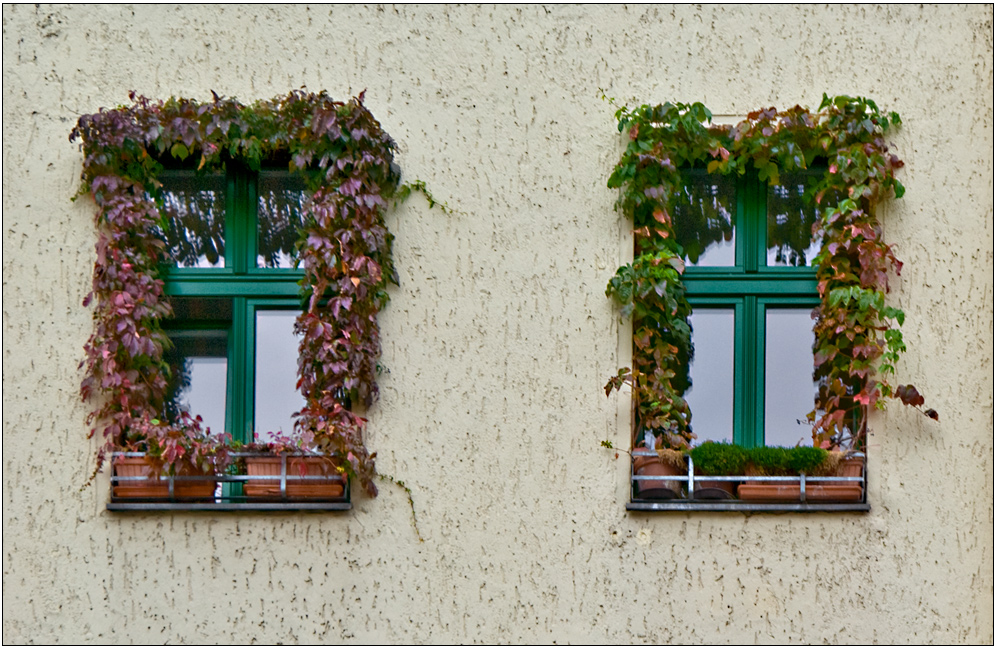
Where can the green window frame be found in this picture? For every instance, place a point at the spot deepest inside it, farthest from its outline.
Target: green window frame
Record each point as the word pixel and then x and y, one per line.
pixel 749 288
pixel 244 288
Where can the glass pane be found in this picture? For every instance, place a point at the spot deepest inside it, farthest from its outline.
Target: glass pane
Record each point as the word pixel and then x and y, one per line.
pixel 791 218
pixel 199 367
pixel 276 373
pixel 711 397
pixel 280 210
pixel 199 309
pixel 789 384
pixel 704 220
pixel 194 207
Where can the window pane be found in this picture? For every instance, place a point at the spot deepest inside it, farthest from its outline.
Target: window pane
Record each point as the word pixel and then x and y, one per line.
pixel 791 217
pixel 199 367
pixel 711 397
pixel 195 218
pixel 279 210
pixel 704 220
pixel 276 372
pixel 199 309
pixel 789 384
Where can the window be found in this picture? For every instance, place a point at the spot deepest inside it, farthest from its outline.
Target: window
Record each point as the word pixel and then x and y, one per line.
pixel 749 247
pixel 234 291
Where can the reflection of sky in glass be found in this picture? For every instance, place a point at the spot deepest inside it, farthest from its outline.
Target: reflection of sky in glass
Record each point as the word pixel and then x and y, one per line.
pixel 205 395
pixel 789 384
pixel 279 210
pixel 791 241
pixel 195 213
pixel 711 398
pixel 720 253
pixel 276 372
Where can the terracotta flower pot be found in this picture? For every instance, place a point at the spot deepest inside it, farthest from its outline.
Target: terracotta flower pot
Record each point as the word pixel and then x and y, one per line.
pixel 155 488
pixel 297 466
pixel 714 489
pixel 819 492
pixel 841 491
pixel 656 489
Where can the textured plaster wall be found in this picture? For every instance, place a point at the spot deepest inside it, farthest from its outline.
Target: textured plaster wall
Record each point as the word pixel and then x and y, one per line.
pixel 500 338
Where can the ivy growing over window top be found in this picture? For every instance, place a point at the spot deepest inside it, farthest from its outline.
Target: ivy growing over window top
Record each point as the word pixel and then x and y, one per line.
pixel 857 335
pixel 346 159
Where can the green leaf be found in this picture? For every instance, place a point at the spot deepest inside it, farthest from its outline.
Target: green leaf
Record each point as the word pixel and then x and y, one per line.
pixel 179 151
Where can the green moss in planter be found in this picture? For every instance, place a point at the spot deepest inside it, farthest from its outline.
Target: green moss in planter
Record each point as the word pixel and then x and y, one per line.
pixel 776 461
pixel 719 458
pixel 805 459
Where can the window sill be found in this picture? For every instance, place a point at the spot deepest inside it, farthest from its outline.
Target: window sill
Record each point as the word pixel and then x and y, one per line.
pixel 134 505
pixel 692 505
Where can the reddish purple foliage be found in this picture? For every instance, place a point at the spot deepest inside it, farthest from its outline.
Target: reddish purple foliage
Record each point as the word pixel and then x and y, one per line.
pixel 347 159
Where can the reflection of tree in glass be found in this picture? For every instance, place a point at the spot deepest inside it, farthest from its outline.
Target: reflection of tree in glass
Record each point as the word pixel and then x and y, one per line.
pixel 194 381
pixel 279 219
pixel 194 210
pixel 179 383
pixel 792 214
pixel 703 214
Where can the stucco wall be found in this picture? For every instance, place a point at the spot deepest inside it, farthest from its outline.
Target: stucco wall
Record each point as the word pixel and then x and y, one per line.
pixel 500 338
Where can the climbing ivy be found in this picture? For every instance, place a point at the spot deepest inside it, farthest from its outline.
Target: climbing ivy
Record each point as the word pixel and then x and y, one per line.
pixel 346 160
pixel 857 334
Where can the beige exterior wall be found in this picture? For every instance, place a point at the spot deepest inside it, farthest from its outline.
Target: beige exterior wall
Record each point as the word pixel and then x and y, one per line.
pixel 500 338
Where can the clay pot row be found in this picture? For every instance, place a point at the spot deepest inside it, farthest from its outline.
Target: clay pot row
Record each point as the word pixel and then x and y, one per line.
pixel 760 491
pixel 192 487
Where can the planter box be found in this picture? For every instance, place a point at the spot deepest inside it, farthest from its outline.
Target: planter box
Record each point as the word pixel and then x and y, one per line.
pixel 331 486
pixel 815 491
pixel 661 492
pixel 153 487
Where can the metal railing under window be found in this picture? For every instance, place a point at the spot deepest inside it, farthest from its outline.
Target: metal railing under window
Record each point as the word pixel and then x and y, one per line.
pixel 255 481
pixel 688 492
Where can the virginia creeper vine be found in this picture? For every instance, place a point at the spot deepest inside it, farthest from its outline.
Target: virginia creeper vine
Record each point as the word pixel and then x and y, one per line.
pixel 857 335
pixel 346 160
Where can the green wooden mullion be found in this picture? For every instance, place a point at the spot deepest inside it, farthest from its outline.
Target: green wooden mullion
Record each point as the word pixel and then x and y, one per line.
pixel 755 283
pixel 237 376
pixel 746 370
pixel 741 384
pixel 249 355
pixel 246 287
pixel 241 235
pixel 755 398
